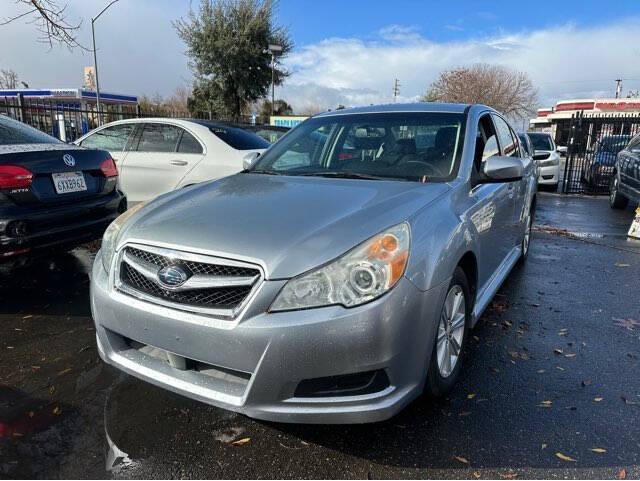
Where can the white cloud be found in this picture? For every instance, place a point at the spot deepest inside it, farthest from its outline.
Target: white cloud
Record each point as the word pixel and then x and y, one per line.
pixel 564 62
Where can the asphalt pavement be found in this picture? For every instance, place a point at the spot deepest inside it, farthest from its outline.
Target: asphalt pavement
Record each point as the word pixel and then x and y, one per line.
pixel 550 386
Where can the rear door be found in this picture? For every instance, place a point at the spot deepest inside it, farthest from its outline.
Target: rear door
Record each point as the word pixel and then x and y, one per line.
pixel 162 156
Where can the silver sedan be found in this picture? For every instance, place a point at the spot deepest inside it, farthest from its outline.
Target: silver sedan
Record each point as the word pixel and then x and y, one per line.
pixel 335 279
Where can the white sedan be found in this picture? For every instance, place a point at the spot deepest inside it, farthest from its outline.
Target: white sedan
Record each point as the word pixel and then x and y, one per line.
pixel 158 155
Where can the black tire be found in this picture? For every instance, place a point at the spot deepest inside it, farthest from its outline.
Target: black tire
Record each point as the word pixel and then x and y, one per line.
pixel 437 385
pixel 616 199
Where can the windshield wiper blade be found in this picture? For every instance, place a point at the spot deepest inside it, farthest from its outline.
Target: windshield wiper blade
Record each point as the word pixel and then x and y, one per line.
pixel 347 175
pixel 260 171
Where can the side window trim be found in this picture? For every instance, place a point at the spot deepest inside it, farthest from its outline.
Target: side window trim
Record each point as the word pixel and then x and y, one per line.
pixel 183 130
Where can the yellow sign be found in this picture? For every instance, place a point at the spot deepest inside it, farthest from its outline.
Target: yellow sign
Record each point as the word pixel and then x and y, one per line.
pixel 634 231
pixel 89 78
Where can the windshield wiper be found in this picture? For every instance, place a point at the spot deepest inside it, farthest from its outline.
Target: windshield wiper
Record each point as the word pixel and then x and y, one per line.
pixel 338 174
pixel 261 171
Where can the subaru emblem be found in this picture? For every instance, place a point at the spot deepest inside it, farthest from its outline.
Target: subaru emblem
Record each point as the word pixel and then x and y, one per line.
pixel 69 160
pixel 172 276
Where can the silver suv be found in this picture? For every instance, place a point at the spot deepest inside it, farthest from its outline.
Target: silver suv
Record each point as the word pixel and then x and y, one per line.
pixel 334 279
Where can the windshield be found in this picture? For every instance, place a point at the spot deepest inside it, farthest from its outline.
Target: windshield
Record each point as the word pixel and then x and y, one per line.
pixel 402 146
pixel 14 132
pixel 613 144
pixel 540 141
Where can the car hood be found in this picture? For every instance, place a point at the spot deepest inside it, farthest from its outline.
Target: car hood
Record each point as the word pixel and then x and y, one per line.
pixel 286 224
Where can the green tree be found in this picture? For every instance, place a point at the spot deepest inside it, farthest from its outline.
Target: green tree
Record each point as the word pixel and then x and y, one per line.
pixel 281 108
pixel 227 43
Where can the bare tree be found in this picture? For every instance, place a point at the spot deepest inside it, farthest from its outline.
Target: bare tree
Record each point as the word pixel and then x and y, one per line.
pixel 508 91
pixel 8 79
pixel 51 21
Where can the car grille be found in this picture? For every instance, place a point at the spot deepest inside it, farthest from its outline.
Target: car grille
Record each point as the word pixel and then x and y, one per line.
pixel 220 298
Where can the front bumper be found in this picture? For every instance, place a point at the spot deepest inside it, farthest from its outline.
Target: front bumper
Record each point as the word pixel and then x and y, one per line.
pixel 549 175
pixel 255 362
pixel 51 227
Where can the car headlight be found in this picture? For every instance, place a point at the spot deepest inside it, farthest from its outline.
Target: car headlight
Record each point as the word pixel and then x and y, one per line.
pixel 362 274
pixel 110 237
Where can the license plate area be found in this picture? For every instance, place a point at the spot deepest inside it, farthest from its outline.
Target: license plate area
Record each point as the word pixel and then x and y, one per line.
pixel 67 182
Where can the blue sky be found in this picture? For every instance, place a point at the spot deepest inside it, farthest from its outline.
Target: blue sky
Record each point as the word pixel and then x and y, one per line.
pixel 312 21
pixel 349 52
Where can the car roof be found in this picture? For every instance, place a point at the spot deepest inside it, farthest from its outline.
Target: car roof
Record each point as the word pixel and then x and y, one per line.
pixel 425 107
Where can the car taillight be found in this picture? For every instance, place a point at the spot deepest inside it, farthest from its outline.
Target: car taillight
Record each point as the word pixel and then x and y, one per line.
pixel 14 177
pixel 108 168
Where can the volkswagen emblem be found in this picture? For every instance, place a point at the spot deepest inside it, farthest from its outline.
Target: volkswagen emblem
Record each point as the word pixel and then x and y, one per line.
pixel 69 160
pixel 172 276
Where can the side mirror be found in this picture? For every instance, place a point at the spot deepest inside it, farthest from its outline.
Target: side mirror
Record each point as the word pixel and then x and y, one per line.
pixel 502 169
pixel 249 159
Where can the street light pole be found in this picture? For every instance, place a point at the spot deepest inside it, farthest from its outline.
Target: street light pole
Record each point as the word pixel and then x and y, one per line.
pixel 273 49
pixel 95 59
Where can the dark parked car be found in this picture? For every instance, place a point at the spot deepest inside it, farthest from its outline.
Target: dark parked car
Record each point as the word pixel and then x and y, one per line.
pixel 625 182
pixel 52 195
pixel 599 167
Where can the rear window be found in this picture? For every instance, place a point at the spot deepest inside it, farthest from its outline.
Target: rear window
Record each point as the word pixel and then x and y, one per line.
pixel 239 139
pixel 14 132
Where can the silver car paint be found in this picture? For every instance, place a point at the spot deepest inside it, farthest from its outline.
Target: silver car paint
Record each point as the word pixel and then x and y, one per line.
pixel 288 225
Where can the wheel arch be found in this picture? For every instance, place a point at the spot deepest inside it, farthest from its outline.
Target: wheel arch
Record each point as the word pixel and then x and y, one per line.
pixel 469 264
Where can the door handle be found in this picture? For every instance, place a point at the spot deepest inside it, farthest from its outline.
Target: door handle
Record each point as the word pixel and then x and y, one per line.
pixel 178 162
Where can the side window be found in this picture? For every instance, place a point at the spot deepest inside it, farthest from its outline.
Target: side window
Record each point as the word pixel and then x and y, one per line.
pixel 508 144
pixel 159 138
pixel 112 138
pixel 189 144
pixel 486 142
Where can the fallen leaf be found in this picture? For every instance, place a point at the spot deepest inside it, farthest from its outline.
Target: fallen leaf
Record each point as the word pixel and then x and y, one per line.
pixel 570 355
pixel 476 474
pixel 464 413
pixel 620 264
pixel 558 351
pixel 541 371
pixel 622 474
pixel 547 403
pixel 461 459
pixel 560 368
pixel 471 396
pixel 509 475
pixel 598 450
pixel 544 445
pixel 564 457
pixel 627 401
pixel 241 442
pixel 586 382
pixel 598 399
pixel 57 411
pixel 64 371
pixel 28 317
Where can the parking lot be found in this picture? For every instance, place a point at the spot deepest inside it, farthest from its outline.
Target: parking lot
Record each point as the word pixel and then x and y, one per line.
pixel 550 389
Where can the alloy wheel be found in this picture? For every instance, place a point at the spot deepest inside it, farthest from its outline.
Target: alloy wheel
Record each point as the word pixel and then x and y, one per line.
pixel 613 190
pixel 451 331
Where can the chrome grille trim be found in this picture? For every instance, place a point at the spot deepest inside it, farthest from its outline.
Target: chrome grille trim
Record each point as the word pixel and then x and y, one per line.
pixel 143 265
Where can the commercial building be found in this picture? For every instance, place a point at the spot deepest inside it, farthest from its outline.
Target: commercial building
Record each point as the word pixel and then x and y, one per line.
pixel 65 113
pixel 556 120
